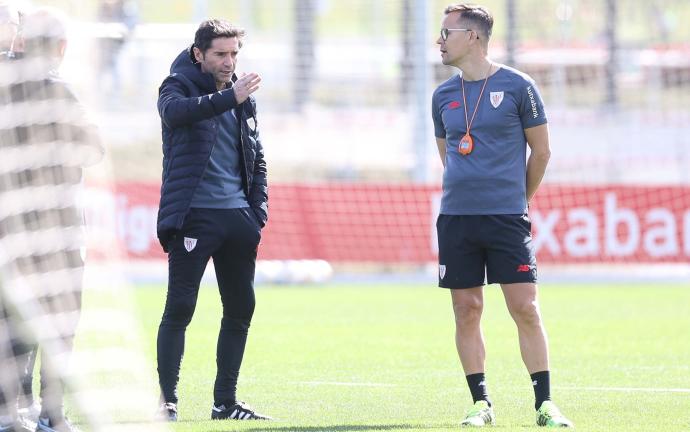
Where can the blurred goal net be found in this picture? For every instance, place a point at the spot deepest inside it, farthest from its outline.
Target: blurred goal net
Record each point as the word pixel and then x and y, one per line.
pixel 353 168
pixel 68 337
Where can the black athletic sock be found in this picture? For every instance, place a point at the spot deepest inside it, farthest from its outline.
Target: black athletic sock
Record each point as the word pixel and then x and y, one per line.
pixel 542 387
pixel 477 384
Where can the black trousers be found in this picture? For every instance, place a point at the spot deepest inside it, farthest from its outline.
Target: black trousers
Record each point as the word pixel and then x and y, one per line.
pixel 231 238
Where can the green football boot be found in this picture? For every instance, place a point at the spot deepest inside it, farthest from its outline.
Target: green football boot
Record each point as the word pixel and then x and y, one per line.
pixel 549 415
pixel 481 414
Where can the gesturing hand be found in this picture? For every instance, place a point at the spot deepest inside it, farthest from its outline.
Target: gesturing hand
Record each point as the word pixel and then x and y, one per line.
pixel 246 85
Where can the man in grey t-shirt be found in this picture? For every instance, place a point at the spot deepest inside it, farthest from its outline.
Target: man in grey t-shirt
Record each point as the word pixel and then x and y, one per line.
pixel 483 121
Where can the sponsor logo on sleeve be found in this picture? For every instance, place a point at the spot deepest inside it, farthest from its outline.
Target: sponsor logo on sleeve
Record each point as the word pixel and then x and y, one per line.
pixel 454 105
pixel 533 102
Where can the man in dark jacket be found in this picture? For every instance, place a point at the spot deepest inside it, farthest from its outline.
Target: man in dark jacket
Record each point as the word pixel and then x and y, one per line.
pixel 213 204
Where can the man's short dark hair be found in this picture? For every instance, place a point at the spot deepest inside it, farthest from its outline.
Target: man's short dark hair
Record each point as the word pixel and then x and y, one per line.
pixel 216 28
pixel 479 16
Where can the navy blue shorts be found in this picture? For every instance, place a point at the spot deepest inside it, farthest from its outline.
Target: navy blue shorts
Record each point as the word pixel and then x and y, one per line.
pixel 498 246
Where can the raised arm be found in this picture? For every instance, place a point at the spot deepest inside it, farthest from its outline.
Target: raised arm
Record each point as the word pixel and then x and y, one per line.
pixel 177 109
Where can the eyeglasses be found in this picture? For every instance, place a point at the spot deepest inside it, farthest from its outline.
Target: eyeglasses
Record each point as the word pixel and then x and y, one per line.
pixel 445 31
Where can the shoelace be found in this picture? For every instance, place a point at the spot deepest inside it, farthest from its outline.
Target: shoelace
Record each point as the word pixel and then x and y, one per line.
pixel 474 411
pixel 552 412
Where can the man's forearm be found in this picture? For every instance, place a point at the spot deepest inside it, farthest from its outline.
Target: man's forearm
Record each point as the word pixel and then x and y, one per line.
pixel 536 168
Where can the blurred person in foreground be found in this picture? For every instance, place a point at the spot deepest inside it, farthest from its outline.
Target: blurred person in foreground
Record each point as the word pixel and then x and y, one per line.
pixel 12 349
pixel 213 205
pixel 45 141
pixel 484 120
pixel 12 48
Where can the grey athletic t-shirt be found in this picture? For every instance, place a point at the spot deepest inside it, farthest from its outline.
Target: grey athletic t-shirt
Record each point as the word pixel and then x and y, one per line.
pixel 221 185
pixel 492 179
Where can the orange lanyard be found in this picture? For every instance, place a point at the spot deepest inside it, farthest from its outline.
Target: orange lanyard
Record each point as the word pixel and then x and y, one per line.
pixel 464 101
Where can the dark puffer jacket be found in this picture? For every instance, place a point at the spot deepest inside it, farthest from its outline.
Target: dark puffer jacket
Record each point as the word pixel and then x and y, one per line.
pixel 189 105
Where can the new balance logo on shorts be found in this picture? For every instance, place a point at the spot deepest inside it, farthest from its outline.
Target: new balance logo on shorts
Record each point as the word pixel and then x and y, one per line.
pixel 522 268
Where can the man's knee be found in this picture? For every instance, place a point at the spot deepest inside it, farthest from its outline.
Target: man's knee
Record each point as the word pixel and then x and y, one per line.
pixel 468 311
pixel 526 312
pixel 179 311
pixel 239 311
pixel 235 325
pixel 239 306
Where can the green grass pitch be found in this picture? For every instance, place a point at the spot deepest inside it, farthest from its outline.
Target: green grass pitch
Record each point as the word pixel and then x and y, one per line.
pixel 382 357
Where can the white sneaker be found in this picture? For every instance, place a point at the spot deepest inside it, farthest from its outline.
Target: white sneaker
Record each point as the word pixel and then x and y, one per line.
pixel 62 425
pixel 17 425
pixel 30 412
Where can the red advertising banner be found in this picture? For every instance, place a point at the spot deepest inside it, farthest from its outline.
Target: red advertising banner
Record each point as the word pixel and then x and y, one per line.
pixel 380 223
pixel 612 224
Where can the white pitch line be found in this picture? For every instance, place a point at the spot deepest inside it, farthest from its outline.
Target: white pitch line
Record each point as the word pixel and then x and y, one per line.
pixel 346 384
pixel 629 389
pixel 610 389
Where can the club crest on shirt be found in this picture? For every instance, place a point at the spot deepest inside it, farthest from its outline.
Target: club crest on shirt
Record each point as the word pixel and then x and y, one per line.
pixel 496 98
pixel 189 244
pixel 442 271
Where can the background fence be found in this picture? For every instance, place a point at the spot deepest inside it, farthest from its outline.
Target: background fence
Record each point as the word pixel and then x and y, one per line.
pixel 344 113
